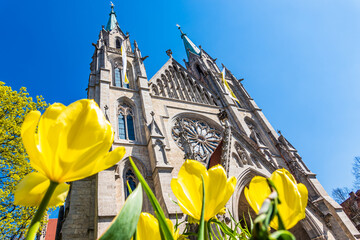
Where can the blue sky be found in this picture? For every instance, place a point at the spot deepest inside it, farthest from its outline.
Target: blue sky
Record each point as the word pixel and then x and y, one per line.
pixel 300 59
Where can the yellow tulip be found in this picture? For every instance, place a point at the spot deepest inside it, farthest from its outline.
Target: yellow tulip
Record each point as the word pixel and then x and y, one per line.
pixel 31 190
pixel 187 188
pixel 148 228
pixel 64 144
pixel 222 211
pixel 293 197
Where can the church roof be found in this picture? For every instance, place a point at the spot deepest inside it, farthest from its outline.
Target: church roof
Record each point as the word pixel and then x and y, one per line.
pixel 189 45
pixel 112 20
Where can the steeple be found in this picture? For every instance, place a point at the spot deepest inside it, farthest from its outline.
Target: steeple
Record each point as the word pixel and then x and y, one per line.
pixel 112 19
pixel 189 45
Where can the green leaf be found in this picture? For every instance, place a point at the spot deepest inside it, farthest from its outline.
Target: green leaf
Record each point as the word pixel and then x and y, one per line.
pixel 219 233
pixel 282 235
pixel 124 225
pixel 128 186
pixel 225 229
pixel 165 230
pixel 201 232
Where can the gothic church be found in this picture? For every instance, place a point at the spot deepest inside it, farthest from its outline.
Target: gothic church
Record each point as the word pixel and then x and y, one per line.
pixel 184 112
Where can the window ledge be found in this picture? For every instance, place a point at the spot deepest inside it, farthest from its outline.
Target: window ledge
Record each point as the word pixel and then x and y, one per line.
pixel 125 142
pixel 122 88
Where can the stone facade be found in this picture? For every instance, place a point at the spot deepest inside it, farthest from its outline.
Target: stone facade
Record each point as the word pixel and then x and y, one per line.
pixel 185 112
pixel 352 208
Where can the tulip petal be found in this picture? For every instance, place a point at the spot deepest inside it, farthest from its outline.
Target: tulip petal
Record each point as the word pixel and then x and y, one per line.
pixel 85 126
pixel 85 138
pixel 31 190
pixel 258 191
pixel 93 166
pixel 289 197
pixel 184 202
pixel 230 188
pixel 28 136
pixel 290 219
pixel 215 191
pixel 304 197
pixel 59 195
pixel 170 224
pixel 287 190
pixel 252 204
pixel 292 196
pixel 188 189
pixel 48 130
pixel 148 227
pixel 71 143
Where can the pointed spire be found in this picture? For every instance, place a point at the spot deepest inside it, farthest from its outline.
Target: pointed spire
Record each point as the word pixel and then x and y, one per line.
pixel 189 45
pixel 112 19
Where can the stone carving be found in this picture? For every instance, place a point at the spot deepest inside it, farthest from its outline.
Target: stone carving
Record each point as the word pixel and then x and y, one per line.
pixel 124 109
pixel 269 157
pixel 225 155
pixel 256 161
pixel 239 161
pixel 254 133
pixel 244 158
pixel 201 138
pixel 169 52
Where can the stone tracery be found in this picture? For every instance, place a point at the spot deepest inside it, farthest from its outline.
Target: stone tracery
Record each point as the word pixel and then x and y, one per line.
pixel 174 83
pixel 201 138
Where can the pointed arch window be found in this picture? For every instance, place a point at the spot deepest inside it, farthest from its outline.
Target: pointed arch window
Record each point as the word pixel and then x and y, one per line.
pixel 122 128
pixel 118 81
pixel 118 43
pixel 117 77
pixel 130 125
pixel 201 73
pixel 130 181
pixel 126 123
pixel 211 65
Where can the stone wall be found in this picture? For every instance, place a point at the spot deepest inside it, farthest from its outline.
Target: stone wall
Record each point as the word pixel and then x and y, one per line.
pixel 80 211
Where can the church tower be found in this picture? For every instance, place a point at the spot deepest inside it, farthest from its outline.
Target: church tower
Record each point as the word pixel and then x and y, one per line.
pixel 198 112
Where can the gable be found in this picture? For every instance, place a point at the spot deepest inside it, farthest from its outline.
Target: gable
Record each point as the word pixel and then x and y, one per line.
pixel 175 82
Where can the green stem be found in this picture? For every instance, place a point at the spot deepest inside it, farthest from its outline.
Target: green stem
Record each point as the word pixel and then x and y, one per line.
pixel 202 227
pixel 35 222
pixel 207 230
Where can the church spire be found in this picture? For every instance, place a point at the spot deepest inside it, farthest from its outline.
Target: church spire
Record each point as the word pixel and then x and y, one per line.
pixel 189 45
pixel 112 19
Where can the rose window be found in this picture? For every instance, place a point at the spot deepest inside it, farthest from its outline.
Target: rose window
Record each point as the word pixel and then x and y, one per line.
pixel 198 135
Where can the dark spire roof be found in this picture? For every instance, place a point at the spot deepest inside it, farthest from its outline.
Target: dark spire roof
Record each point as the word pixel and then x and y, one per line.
pixel 189 45
pixel 112 19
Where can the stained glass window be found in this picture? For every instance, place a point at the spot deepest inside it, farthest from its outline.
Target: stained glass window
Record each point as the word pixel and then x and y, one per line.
pixel 126 123
pixel 202 138
pixel 130 127
pixel 122 127
pixel 118 43
pixel 118 77
pixel 129 179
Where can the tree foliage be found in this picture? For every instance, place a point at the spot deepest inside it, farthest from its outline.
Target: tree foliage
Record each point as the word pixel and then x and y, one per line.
pixel 340 194
pixel 356 173
pixel 14 163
